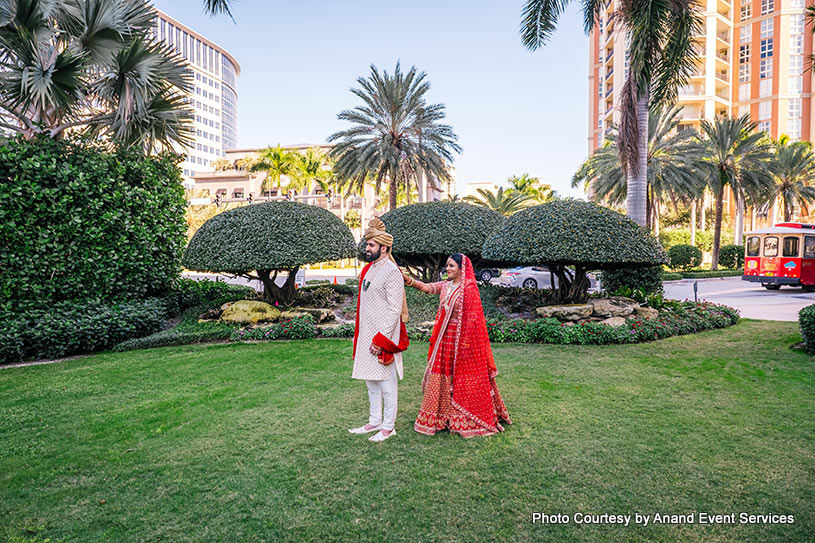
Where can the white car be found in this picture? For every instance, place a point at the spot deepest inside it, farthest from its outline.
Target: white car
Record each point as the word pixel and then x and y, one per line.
pixel 534 277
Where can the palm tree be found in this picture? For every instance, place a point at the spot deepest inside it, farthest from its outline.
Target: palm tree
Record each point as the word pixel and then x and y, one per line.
pixel 672 167
pixel 395 135
pixel 276 162
pixel 738 157
pixel 217 7
pixel 91 66
pixel 795 170
pixel 504 202
pixel 660 60
pixel 532 187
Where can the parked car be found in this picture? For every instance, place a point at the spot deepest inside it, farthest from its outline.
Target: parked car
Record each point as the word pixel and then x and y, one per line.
pixel 486 274
pixel 534 277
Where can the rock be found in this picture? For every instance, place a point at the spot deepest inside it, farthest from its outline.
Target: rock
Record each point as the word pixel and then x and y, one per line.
pixel 210 315
pixel 293 314
pixel 646 313
pixel 616 306
pixel 249 312
pixel 614 321
pixel 320 315
pixel 569 312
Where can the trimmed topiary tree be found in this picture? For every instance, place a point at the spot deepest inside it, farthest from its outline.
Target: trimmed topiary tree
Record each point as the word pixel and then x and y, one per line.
pixel 571 237
pixel 425 235
pixel 684 257
pixel 731 257
pixel 259 241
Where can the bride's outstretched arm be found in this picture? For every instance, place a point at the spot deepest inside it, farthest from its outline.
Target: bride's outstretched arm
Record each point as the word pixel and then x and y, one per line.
pixel 430 288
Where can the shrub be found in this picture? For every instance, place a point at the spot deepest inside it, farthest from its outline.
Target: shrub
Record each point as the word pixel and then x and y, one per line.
pixel 806 320
pixel 707 274
pixel 732 257
pixel 345 330
pixel 185 293
pixel 573 233
pixel 259 240
pixel 296 328
pixel 68 328
pixel 426 234
pixel 81 223
pixel 323 296
pixel 681 236
pixel 667 276
pixel 648 279
pixel 684 257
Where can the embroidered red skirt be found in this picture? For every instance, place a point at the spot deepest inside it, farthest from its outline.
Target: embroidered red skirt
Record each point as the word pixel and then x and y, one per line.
pixel 437 412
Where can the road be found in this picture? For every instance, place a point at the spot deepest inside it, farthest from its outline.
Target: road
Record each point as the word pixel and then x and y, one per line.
pixel 751 299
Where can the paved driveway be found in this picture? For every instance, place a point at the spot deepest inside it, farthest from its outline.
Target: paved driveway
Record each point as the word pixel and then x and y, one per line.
pixel 752 300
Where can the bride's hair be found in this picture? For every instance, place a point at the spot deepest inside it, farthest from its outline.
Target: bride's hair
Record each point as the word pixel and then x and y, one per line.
pixel 458 258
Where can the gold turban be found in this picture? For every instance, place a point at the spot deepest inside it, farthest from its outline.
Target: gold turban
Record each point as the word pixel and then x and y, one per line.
pixel 376 231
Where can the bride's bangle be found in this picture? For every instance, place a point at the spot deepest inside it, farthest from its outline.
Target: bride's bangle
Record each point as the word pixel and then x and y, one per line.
pixel 410 284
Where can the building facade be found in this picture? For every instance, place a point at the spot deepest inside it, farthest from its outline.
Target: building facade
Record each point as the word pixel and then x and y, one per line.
pixel 750 59
pixel 214 98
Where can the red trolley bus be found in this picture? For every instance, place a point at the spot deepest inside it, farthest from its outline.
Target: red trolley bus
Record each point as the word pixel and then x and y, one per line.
pixel 783 254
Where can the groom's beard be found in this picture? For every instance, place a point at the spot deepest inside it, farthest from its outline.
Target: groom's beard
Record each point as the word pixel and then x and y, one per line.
pixel 370 257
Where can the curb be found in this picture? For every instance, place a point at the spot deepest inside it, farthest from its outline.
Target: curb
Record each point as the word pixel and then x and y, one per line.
pixel 689 280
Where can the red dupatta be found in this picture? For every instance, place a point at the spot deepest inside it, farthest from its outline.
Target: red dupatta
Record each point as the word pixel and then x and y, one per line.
pixel 474 366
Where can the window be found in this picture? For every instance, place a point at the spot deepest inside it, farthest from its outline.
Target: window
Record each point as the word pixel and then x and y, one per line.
pixel 754 245
pixel 763 126
pixel 746 34
pixel 796 64
pixel 767 28
pixel 797 23
pixel 771 246
pixel 796 44
pixel 809 247
pixel 744 54
pixel 791 246
pixel 794 129
pixel 766 48
pixel 767 6
pixel 795 84
pixel 746 9
pixel 794 107
pixel 764 110
pixel 765 87
pixel 744 73
pixel 797 4
pixel 765 68
pixel 744 110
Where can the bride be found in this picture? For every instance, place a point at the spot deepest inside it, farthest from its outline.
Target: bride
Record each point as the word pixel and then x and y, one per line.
pixel 459 387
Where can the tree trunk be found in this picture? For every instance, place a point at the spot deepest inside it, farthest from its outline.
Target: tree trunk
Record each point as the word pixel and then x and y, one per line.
pixel 637 184
pixel 272 293
pixel 774 210
pixel 656 219
pixel 649 211
pixel 702 221
pixel 693 223
pixel 738 234
pixel 393 187
pixel 570 289
pixel 717 230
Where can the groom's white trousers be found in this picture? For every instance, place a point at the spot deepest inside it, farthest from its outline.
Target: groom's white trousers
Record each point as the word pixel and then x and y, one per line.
pixel 383 392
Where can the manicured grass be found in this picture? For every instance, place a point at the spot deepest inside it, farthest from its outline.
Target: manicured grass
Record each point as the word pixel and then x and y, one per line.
pixel 248 442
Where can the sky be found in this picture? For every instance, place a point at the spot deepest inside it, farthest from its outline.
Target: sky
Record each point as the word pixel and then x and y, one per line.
pixel 515 111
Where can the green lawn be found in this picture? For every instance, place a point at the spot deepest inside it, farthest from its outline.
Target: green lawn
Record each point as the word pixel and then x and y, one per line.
pixel 248 442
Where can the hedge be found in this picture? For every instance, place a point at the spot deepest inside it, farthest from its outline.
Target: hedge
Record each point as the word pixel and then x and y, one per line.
pixel 78 222
pixel 686 318
pixel 68 328
pixel 648 279
pixel 426 234
pixel 806 320
pixel 732 257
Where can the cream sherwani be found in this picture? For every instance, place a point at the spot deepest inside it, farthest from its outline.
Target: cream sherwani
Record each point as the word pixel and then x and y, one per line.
pixel 379 308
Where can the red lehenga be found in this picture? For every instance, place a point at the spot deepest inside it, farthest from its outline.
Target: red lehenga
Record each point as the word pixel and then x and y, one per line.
pixel 459 387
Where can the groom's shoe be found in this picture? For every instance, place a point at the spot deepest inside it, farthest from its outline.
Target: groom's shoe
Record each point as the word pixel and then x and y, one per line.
pixel 365 429
pixel 379 436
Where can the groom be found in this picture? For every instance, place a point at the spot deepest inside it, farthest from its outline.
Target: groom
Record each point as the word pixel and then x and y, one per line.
pixel 380 336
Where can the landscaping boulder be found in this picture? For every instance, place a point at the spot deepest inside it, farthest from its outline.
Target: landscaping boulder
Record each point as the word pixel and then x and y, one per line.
pixel 569 312
pixel 614 321
pixel 646 313
pixel 616 306
pixel 249 312
pixel 293 314
pixel 320 315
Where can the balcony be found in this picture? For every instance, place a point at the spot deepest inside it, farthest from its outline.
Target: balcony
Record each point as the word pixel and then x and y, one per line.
pixel 723 56
pixel 609 73
pixel 691 90
pixel 723 75
pixel 609 55
pixel 609 110
pixel 691 114
pixel 609 90
pixel 724 36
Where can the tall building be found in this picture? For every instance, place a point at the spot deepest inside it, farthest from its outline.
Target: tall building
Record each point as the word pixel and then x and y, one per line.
pixel 214 98
pixel 750 59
